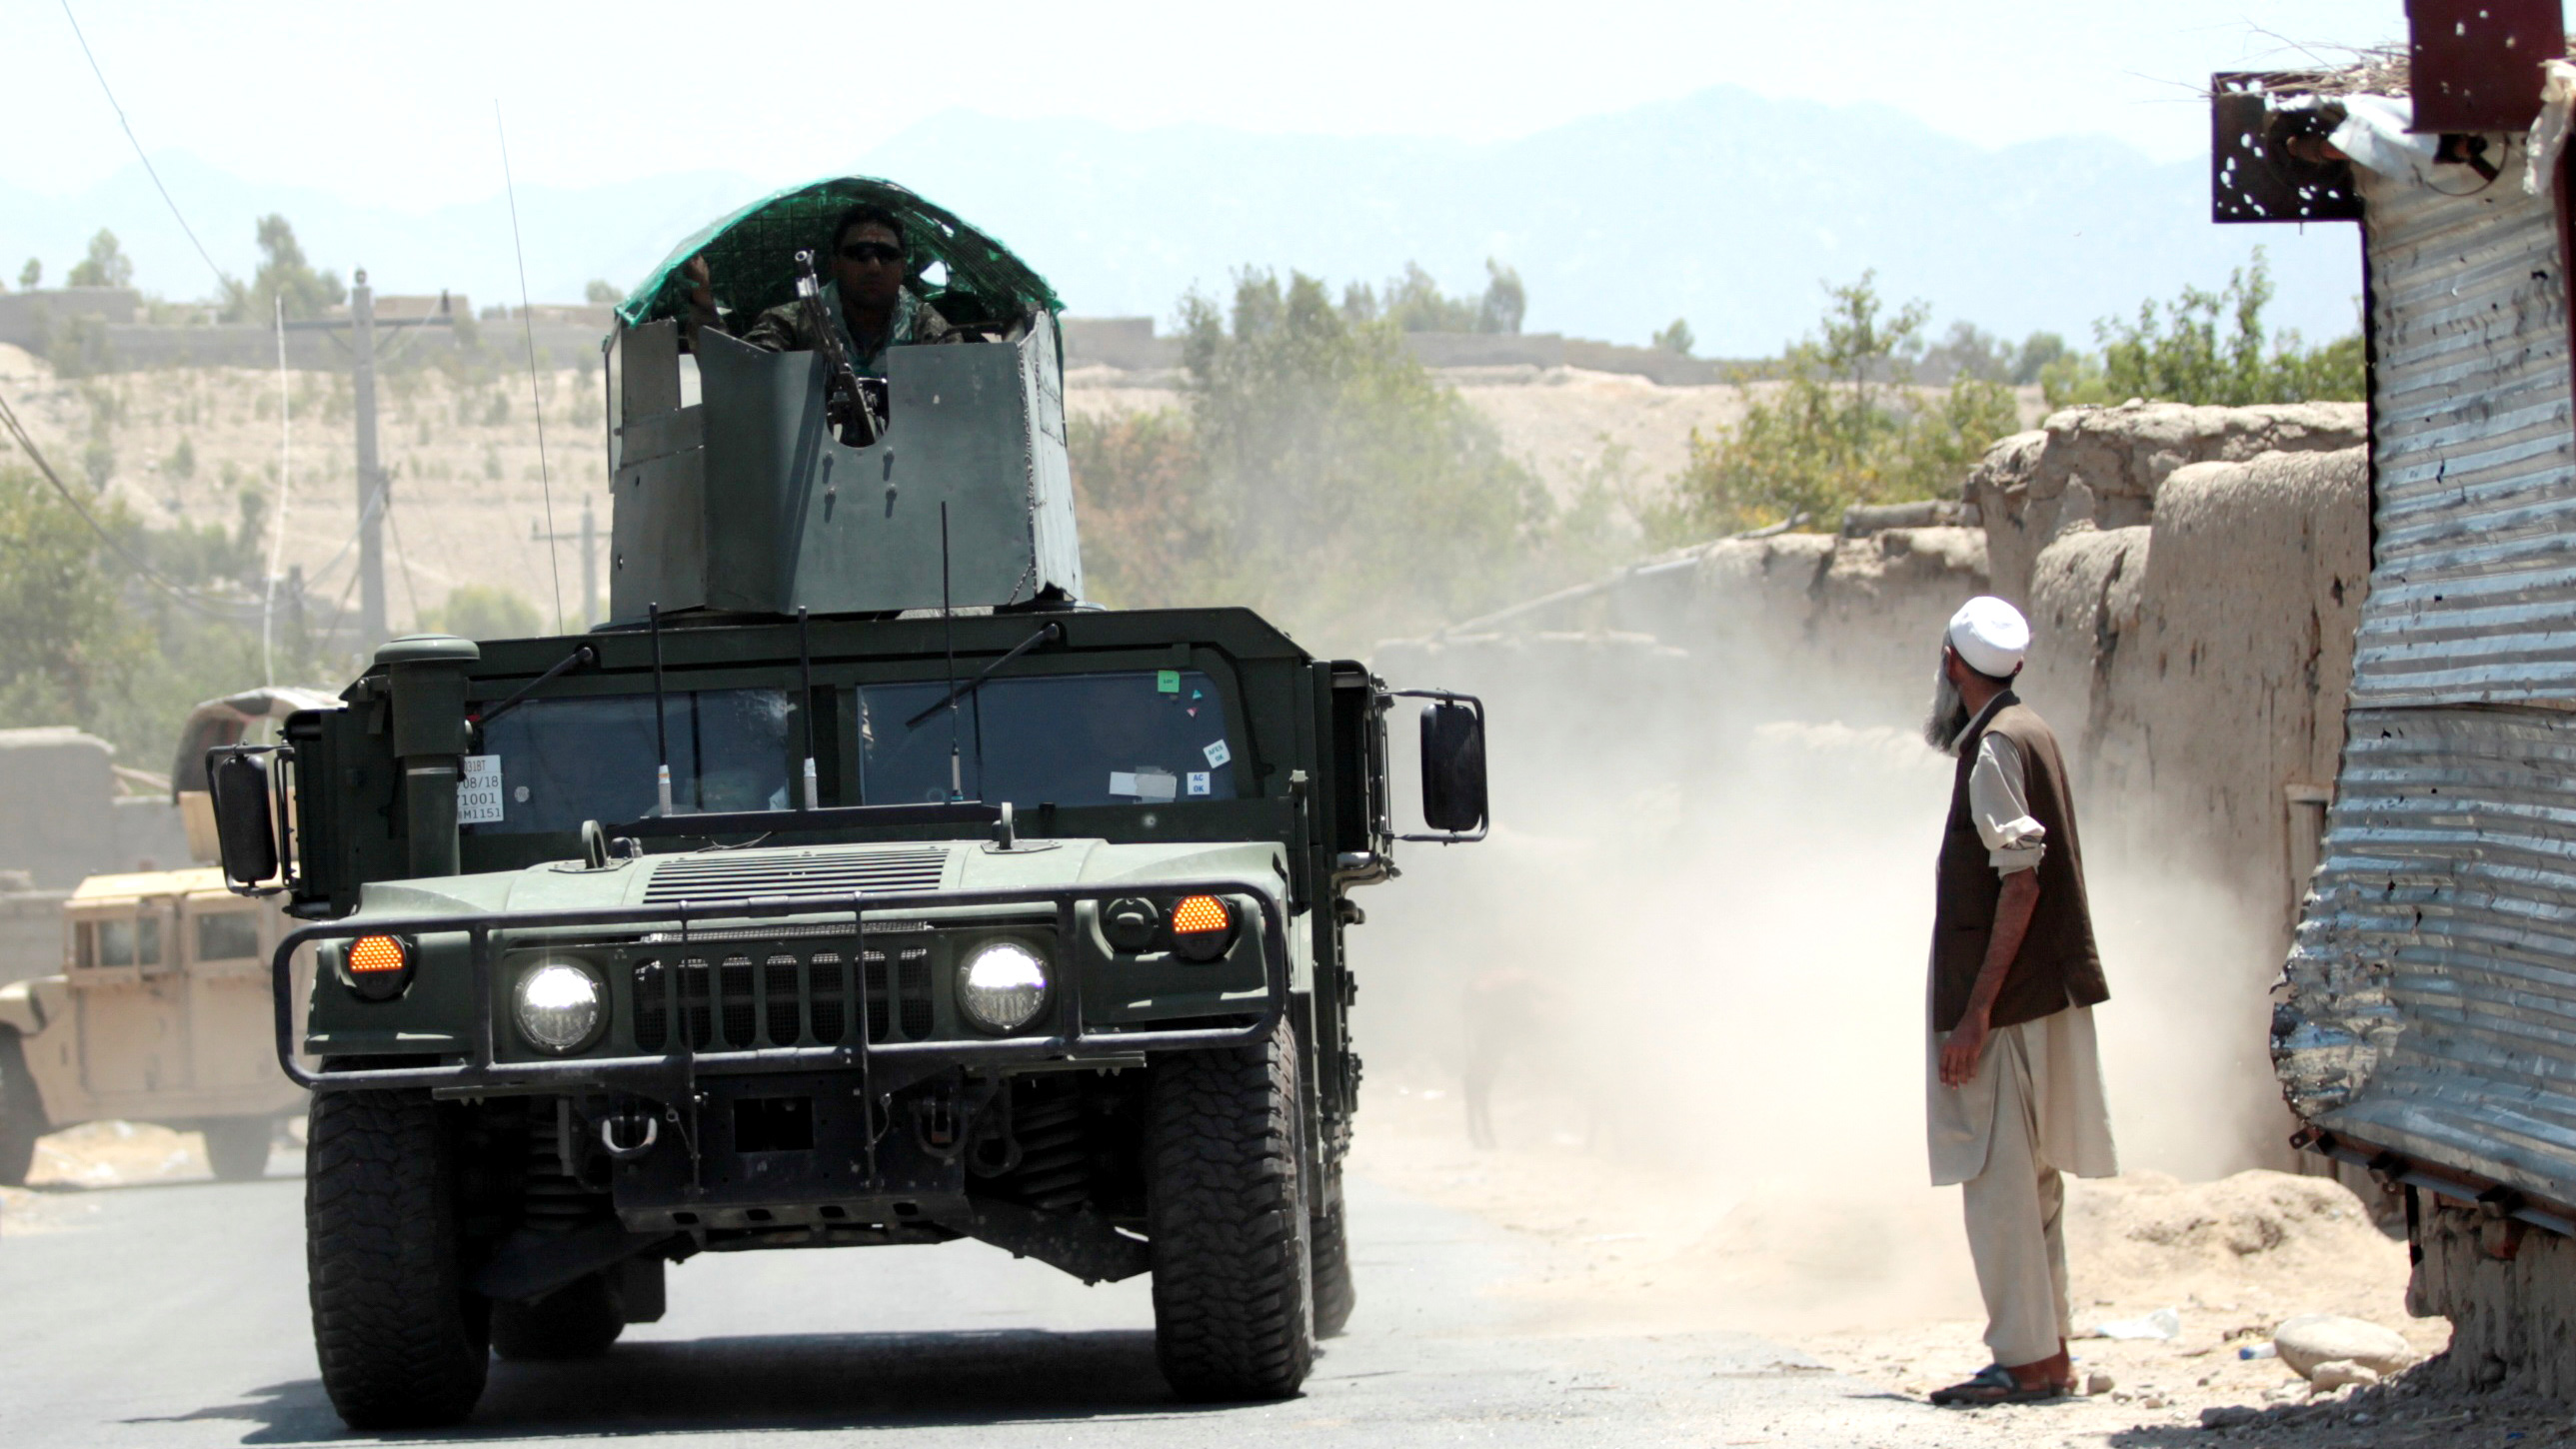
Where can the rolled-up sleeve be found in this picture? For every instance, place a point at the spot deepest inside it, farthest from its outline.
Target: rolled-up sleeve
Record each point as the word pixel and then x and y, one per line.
pixel 1999 801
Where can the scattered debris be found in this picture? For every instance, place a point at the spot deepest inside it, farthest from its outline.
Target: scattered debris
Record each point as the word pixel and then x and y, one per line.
pixel 2163 1323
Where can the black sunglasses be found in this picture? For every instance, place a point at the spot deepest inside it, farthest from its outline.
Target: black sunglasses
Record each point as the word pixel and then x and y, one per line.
pixel 872 252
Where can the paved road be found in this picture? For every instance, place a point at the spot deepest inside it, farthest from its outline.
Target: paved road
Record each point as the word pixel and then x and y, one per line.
pixel 175 1316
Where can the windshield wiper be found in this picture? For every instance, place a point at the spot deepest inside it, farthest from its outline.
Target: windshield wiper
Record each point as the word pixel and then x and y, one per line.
pixel 580 658
pixel 1051 631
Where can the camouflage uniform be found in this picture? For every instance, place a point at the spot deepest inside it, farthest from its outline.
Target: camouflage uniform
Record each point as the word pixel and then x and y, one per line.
pixel 784 328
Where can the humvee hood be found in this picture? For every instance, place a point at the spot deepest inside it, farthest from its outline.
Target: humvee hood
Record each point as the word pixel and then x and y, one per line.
pixel 826 873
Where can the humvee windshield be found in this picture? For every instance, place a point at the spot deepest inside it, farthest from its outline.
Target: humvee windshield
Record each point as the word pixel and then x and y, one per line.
pixel 1061 739
pixel 1135 737
pixel 564 761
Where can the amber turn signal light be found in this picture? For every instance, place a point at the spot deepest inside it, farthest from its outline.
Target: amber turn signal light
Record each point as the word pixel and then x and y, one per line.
pixel 1202 927
pixel 379 967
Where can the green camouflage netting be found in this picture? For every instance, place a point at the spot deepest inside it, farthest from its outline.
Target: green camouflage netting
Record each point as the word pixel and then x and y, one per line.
pixel 752 253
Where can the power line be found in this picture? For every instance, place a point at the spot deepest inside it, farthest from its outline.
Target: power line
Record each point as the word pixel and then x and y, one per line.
pixel 403 559
pixel 132 140
pixel 536 400
pixel 180 593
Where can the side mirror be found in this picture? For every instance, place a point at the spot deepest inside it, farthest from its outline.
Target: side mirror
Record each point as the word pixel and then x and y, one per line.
pixel 245 822
pixel 1453 768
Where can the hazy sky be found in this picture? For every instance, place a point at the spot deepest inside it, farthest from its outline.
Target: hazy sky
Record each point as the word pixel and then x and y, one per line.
pixel 393 103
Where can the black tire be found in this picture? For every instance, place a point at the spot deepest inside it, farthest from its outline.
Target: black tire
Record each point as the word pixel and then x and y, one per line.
pixel 237 1147
pixel 404 1344
pixel 22 1113
pixel 1233 1300
pixel 1335 1294
pixel 579 1320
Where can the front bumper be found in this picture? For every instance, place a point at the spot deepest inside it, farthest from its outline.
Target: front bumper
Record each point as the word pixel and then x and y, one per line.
pixel 1061 1032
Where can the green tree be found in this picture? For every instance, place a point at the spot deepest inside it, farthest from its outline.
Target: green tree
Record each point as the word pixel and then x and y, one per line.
pixel 284 276
pixel 105 266
pixel 599 293
pixel 2208 347
pixel 1844 428
pixel 66 641
pixel 480 611
pixel 1677 338
pixel 1505 301
pixel 31 275
pixel 1415 303
pixel 1314 471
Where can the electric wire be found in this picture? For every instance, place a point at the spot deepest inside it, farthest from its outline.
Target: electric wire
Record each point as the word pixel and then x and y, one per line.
pixel 179 593
pixel 536 399
pixel 220 278
pixel 394 522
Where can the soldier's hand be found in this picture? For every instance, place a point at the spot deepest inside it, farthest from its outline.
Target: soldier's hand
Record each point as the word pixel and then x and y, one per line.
pixel 1959 1054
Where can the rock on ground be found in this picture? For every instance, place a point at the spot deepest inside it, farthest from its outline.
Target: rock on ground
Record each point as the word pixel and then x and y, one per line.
pixel 2312 1340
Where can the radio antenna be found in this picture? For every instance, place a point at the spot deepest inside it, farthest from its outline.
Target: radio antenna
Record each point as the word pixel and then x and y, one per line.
pixel 948 628
pixel 661 729
pixel 805 706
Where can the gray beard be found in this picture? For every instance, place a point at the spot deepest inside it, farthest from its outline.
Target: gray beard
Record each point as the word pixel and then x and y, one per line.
pixel 1948 718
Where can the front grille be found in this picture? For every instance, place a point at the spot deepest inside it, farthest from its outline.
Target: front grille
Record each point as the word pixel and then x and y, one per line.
pixel 800 874
pixel 786 998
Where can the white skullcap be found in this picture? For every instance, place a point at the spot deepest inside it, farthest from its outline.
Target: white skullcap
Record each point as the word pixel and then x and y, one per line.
pixel 1991 635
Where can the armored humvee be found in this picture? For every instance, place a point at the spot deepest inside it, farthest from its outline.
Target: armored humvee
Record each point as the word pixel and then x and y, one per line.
pixel 855 885
pixel 157 1008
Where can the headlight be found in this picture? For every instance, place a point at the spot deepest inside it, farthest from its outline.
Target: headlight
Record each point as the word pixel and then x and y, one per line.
pixel 1003 985
pixel 560 1007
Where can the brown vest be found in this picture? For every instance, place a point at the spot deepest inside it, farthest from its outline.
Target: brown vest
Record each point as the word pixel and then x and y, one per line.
pixel 2058 966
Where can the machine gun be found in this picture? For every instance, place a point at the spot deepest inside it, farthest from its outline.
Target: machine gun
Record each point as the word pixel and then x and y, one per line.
pixel 854 406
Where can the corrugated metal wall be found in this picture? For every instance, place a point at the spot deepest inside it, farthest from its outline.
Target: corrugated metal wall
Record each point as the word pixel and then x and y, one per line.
pixel 2473 582
pixel 2430 1002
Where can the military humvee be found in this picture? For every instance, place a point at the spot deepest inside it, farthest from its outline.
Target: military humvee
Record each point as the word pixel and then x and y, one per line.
pixel 159 1015
pixel 855 885
pixel 159 1010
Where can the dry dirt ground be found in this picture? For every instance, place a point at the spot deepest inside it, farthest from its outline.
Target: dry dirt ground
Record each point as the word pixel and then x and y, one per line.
pixel 1881 1290
pixel 1569 425
pixel 468 494
pixel 1877 1292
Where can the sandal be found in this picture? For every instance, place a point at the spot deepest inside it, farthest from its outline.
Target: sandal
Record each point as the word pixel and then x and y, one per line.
pixel 1995 1384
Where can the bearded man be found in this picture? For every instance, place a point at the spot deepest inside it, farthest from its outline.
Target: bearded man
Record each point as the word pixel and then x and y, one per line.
pixel 2015 1083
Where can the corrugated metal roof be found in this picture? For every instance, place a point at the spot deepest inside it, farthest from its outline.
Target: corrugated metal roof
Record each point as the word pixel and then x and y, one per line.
pixel 2429 1006
pixel 2473 586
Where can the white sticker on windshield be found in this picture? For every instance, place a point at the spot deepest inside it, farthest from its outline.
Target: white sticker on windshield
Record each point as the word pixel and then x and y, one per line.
pixel 1150 786
pixel 1217 754
pixel 1198 782
pixel 478 791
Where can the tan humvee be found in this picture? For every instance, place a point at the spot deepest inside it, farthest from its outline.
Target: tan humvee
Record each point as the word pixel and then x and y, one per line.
pixel 162 1014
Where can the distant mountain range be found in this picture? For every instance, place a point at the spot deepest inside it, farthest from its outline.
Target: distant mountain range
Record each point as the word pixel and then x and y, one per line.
pixel 1725 208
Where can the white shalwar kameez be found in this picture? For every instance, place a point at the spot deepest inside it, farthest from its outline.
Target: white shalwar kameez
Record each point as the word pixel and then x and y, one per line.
pixel 2034 1108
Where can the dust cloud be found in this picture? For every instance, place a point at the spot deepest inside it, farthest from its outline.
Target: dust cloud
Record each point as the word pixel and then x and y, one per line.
pixel 1694 949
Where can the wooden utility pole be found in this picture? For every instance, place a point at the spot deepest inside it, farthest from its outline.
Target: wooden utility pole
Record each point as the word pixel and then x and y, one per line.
pixel 371 481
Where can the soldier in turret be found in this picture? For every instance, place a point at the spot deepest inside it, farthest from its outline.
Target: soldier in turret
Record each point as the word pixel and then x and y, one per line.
pixel 866 297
